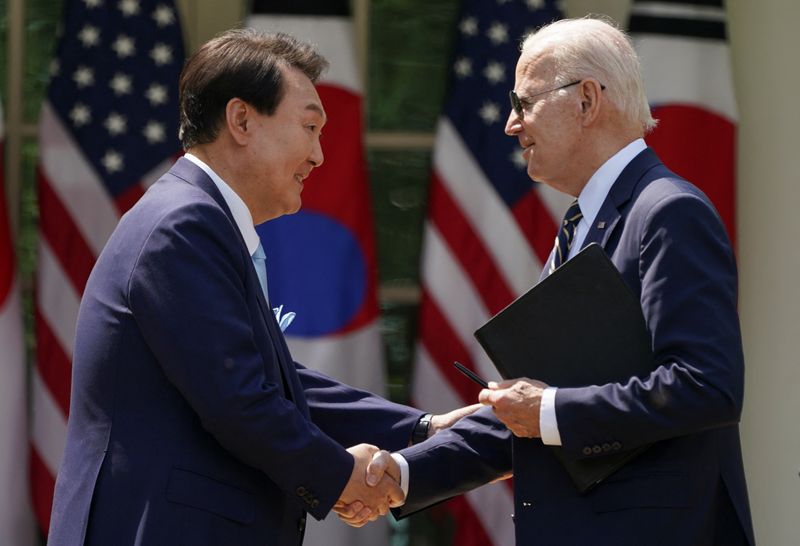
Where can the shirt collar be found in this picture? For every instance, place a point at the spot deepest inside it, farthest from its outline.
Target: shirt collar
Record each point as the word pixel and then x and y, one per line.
pixel 596 190
pixel 241 214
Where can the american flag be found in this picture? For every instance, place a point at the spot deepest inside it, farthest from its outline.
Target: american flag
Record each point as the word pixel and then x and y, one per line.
pixel 488 233
pixel 108 128
pixel 16 518
pixel 687 72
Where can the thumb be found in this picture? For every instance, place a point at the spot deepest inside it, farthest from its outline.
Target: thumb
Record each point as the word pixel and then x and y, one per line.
pixel 377 467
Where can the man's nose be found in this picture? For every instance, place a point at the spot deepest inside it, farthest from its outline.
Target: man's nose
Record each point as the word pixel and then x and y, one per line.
pixel 317 157
pixel 513 123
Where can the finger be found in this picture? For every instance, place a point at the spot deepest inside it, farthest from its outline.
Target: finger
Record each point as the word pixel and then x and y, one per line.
pixel 393 491
pixel 377 467
pixel 483 396
pixel 358 518
pixel 348 510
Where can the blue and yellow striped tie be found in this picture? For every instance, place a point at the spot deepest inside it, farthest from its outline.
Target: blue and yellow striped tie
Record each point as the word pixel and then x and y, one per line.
pixel 566 235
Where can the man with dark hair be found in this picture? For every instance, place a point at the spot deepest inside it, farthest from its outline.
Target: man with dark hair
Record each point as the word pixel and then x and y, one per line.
pixel 189 421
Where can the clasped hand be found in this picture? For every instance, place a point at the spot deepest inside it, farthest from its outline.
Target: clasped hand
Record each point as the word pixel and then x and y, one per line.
pixel 372 488
pixel 374 484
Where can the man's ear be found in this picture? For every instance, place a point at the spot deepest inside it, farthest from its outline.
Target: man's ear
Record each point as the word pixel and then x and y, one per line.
pixel 237 120
pixel 590 94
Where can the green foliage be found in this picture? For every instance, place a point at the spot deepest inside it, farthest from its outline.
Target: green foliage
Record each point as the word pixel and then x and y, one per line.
pixel 410 43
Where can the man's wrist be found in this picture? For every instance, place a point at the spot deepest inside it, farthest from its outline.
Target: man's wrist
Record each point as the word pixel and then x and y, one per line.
pixel 404 471
pixel 548 424
pixel 421 429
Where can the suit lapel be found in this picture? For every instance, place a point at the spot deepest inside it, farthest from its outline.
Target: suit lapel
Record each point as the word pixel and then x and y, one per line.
pixel 191 173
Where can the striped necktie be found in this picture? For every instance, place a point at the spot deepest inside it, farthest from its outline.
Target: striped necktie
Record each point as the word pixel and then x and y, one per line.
pixel 260 263
pixel 566 235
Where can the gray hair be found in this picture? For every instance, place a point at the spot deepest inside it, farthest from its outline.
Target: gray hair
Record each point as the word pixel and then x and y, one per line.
pixel 592 47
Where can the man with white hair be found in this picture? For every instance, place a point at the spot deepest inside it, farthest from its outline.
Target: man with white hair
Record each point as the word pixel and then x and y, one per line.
pixel 580 115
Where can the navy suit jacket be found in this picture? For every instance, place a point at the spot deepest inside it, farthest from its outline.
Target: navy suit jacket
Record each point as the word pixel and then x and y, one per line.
pixel 189 421
pixel 669 244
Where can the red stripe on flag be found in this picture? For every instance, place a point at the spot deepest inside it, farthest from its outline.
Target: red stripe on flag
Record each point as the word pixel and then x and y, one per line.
pixel 53 363
pixel 63 236
pixel 536 224
pixel 42 486
pixel 467 247
pixel 444 347
pixel 469 530
pixel 128 198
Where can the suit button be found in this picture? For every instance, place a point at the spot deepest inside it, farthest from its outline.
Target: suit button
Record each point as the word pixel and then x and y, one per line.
pixel 597 449
pixel 301 525
pixel 587 450
pixel 616 446
pixel 513 520
pixel 606 447
pixel 301 491
pixel 314 503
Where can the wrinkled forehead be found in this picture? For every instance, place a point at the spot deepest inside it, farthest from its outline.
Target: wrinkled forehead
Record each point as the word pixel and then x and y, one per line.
pixel 534 66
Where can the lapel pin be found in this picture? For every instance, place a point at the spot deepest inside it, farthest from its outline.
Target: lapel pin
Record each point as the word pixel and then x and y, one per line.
pixel 601 225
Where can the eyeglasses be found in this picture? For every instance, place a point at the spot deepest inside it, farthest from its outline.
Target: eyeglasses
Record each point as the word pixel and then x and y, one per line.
pixel 516 102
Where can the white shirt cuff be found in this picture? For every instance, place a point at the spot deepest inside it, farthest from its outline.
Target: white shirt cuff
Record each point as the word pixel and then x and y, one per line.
pixel 548 424
pixel 403 464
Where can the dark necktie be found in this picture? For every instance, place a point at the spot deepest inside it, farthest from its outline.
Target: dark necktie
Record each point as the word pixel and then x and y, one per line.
pixel 566 235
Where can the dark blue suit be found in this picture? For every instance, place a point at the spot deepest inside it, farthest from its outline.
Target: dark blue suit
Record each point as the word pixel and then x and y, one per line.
pixel 190 423
pixel 688 488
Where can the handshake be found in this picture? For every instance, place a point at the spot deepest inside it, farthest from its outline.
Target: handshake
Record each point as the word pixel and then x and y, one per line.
pixel 373 487
pixel 374 484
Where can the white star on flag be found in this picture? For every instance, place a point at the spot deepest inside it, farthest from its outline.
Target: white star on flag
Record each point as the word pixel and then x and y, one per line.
pixel 115 124
pixel 490 112
pixel 498 33
pixel 463 67
pixel 93 3
pixel 163 15
pixel 123 46
pixel 129 7
pixel 83 76
pixel 517 159
pixel 161 54
pixel 156 94
pixel 89 36
pixel 80 114
pixel 534 4
pixel 121 84
pixel 469 26
pixel 154 132
pixel 494 72
pixel 112 161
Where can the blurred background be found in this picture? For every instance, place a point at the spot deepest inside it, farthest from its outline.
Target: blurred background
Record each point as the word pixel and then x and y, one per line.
pixel 377 234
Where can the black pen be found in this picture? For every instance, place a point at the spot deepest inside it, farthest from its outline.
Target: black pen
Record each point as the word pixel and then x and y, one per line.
pixel 472 375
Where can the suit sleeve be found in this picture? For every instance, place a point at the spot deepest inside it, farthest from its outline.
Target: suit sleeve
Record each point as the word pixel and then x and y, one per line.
pixel 688 294
pixel 352 416
pixel 471 453
pixel 187 293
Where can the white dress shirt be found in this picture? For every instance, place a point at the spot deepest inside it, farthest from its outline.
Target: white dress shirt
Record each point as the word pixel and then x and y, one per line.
pixel 241 214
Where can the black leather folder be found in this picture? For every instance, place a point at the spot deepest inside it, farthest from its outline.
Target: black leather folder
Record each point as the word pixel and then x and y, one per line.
pixel 580 326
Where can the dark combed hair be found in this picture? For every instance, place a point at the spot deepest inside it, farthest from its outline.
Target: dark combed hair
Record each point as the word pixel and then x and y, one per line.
pixel 240 63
